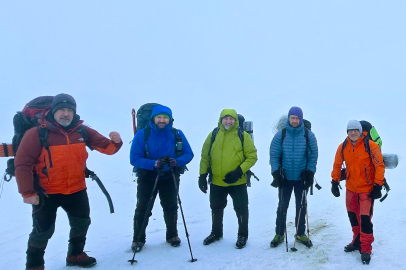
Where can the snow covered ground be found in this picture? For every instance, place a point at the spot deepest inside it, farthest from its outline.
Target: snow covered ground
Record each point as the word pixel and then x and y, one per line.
pixel 337 61
pixel 110 235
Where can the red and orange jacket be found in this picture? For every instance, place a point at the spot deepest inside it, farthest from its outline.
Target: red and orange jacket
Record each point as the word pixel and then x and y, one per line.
pixel 361 173
pixel 68 157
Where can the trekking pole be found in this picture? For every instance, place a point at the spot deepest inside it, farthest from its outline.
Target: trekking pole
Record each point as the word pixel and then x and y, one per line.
pixel 144 222
pixel 183 217
pixel 298 221
pixel 309 242
pixel 284 216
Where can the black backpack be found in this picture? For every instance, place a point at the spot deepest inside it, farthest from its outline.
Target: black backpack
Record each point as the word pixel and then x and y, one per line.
pixel 23 121
pixel 240 131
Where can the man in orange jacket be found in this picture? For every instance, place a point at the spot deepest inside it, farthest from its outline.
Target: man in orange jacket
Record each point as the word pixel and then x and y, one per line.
pixel 58 162
pixel 365 176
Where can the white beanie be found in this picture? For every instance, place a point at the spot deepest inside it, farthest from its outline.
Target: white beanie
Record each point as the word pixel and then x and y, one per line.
pixel 354 124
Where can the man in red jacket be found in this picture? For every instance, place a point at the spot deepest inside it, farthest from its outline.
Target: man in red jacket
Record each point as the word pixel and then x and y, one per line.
pixel 50 173
pixel 364 180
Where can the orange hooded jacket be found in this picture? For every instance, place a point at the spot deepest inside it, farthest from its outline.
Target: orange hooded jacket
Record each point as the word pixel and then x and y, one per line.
pixel 361 172
pixel 66 175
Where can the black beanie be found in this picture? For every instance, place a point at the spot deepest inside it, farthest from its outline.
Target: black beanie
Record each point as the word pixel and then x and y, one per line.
pixel 63 101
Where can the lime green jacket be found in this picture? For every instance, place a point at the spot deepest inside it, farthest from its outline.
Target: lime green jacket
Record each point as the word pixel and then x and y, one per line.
pixel 227 153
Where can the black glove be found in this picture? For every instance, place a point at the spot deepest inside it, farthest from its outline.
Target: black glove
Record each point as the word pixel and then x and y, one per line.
pixel 307 178
pixel 203 183
pixel 334 188
pixel 278 180
pixel 376 192
pixel 233 176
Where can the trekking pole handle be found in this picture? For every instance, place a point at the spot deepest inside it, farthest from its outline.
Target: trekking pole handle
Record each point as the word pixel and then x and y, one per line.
pixel 134 125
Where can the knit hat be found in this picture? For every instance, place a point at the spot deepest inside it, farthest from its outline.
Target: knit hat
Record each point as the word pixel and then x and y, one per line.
pixel 63 101
pixel 354 124
pixel 297 112
pixel 163 114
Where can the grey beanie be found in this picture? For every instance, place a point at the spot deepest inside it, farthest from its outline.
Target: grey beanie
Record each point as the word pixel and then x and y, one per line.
pixel 63 101
pixel 354 124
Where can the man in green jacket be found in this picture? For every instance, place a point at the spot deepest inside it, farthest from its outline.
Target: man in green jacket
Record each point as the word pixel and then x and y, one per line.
pixel 227 154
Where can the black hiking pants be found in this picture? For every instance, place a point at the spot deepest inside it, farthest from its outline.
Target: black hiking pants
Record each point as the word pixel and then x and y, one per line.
pixel 218 201
pixel 168 197
pixel 76 205
pixel 284 194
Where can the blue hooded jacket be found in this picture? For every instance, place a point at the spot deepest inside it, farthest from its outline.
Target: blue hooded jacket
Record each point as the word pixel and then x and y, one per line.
pixel 294 151
pixel 161 143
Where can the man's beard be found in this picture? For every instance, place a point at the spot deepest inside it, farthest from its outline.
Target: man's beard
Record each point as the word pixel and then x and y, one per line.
pixel 227 127
pixel 64 122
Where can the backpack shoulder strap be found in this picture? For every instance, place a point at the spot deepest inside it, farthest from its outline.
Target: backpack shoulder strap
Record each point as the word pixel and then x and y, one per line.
pixel 213 137
pixel 178 142
pixel 82 130
pixel 147 131
pixel 368 149
pixel 283 135
pixel 241 136
pixel 342 149
pixel 43 136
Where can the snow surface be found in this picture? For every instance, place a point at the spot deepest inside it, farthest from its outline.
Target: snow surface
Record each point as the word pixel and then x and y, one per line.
pixel 338 61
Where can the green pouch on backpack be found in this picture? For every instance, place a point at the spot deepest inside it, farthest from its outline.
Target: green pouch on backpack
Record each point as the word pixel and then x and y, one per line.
pixel 375 136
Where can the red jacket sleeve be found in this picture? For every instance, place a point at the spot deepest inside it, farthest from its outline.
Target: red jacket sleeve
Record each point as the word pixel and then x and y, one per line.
pixel 101 143
pixel 27 155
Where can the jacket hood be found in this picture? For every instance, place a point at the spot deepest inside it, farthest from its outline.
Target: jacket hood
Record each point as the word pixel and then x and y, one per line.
pixel 158 110
pixel 232 113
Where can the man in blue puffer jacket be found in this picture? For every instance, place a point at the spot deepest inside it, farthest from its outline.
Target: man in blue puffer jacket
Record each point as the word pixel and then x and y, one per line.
pixel 293 161
pixel 161 144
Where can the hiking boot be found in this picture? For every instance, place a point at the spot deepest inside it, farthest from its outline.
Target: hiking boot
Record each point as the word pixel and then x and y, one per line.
pixel 278 239
pixel 174 241
pixel 241 241
pixel 365 258
pixel 81 260
pixel 304 240
pixel 352 247
pixel 211 238
pixel 36 268
pixel 137 246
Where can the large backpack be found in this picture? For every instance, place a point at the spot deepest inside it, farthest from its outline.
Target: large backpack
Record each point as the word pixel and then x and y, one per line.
pixel 372 135
pixel 143 117
pixel 243 127
pixel 23 121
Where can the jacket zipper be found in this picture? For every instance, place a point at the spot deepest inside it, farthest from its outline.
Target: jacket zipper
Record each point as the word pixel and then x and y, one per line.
pixel 366 174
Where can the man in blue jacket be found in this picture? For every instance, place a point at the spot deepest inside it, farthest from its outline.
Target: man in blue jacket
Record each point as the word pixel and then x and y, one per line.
pixel 293 160
pixel 150 158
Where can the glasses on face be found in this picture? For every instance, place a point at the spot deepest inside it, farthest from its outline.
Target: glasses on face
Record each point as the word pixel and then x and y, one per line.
pixel 353 131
